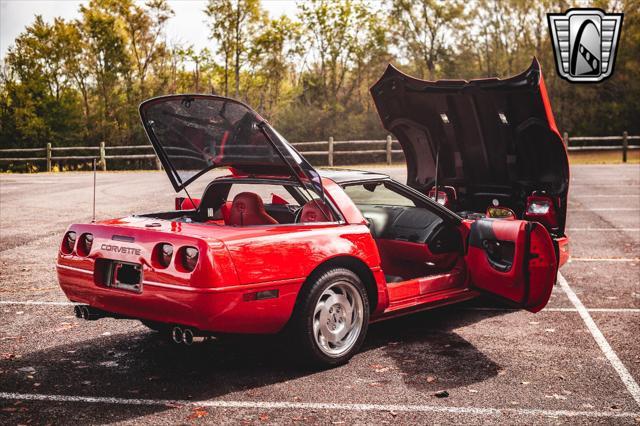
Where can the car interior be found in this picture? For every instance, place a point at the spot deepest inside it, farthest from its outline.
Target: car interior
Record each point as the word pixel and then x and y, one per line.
pixel 412 239
pixel 252 203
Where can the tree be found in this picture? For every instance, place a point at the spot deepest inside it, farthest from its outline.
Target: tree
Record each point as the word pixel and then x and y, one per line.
pixel 39 105
pixel 232 24
pixel 144 27
pixel 341 33
pixel 425 29
pixel 271 56
pixel 108 59
pixel 202 62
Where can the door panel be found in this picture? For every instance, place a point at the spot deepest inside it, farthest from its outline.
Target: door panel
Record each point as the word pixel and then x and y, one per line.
pixel 513 259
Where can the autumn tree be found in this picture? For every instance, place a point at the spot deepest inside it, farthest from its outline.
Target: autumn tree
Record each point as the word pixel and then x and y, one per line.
pixel 232 24
pixel 144 29
pixel 341 33
pixel 37 93
pixel 108 61
pixel 271 56
pixel 424 30
pixel 79 82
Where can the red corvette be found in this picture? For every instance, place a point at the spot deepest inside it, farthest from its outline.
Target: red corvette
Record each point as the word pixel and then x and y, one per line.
pixel 277 245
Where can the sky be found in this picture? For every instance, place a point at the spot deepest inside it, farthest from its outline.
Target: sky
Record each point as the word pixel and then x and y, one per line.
pixel 186 27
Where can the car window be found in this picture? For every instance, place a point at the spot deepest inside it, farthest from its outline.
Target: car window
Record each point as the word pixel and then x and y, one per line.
pixel 377 194
pixel 265 192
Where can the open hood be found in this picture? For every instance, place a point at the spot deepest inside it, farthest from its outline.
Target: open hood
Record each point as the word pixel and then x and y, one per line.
pixel 490 136
pixel 193 134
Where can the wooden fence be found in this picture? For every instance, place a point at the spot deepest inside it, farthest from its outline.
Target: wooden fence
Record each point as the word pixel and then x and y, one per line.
pixel 379 150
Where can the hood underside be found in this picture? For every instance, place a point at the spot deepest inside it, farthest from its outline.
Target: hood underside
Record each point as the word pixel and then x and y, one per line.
pixel 488 135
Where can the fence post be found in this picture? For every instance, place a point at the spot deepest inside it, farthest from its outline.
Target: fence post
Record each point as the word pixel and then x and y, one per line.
pixel 158 163
pixel 625 145
pixel 103 160
pixel 330 152
pixel 49 156
pixel 389 142
pixel 565 139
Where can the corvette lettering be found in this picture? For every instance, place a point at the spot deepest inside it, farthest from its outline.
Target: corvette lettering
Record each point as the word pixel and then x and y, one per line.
pixel 120 249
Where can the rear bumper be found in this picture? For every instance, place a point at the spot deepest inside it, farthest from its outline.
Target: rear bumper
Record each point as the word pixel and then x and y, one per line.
pixel 214 309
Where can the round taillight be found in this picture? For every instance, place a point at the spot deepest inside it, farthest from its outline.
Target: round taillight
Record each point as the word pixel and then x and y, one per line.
pixel 86 242
pixel 189 258
pixel 165 253
pixel 69 242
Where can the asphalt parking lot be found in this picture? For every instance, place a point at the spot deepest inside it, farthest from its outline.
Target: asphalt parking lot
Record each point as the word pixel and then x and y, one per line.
pixel 577 361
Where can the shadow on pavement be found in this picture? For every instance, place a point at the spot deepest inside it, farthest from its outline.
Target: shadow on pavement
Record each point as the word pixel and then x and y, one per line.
pixel 143 365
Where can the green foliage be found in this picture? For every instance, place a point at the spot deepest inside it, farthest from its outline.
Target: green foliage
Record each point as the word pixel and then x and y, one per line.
pixel 79 82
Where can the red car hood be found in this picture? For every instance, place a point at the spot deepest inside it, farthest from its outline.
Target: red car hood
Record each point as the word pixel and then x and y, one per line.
pixel 490 136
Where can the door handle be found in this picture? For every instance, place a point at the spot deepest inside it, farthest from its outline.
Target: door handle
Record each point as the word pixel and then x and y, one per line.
pixel 499 259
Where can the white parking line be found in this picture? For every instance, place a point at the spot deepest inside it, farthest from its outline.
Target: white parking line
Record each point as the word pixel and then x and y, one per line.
pixel 607 209
pixel 604 185
pixel 627 378
pixel 604 229
pixel 613 310
pixel 275 405
pixel 604 259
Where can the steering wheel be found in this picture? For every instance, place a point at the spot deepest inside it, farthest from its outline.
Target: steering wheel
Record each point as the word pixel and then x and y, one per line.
pixel 297 214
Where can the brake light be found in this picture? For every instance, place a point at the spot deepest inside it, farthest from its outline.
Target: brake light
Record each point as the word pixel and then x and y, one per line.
pixel 541 209
pixel 446 195
pixel 189 258
pixel 164 253
pixel 69 242
pixel 86 242
pixel 442 197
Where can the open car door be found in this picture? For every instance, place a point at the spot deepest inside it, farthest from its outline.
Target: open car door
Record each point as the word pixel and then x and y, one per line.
pixel 512 259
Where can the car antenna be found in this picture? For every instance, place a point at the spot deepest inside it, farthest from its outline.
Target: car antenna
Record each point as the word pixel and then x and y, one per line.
pixel 93 217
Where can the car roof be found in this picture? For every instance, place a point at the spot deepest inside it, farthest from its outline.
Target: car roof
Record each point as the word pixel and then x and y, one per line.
pixel 343 176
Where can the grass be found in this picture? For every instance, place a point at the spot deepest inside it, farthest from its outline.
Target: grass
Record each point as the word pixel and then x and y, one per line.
pixel 604 157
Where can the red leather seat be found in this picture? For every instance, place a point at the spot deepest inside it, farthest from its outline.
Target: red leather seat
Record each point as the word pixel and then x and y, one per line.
pixel 315 211
pixel 248 209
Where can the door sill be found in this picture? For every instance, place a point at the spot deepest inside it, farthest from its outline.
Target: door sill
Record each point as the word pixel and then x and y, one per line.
pixel 428 301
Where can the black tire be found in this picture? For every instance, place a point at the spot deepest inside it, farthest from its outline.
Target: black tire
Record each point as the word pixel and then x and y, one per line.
pixel 301 326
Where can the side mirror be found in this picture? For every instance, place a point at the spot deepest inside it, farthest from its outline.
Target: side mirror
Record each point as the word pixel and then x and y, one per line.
pixel 501 213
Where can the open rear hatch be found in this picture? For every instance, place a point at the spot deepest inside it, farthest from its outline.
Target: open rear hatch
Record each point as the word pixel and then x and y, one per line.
pixel 493 138
pixel 193 134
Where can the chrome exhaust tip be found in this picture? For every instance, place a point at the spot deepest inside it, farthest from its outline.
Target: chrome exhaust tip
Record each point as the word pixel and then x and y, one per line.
pixel 187 336
pixel 177 335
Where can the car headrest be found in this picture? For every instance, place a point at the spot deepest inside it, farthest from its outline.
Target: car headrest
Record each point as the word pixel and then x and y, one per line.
pixel 248 209
pixel 315 211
